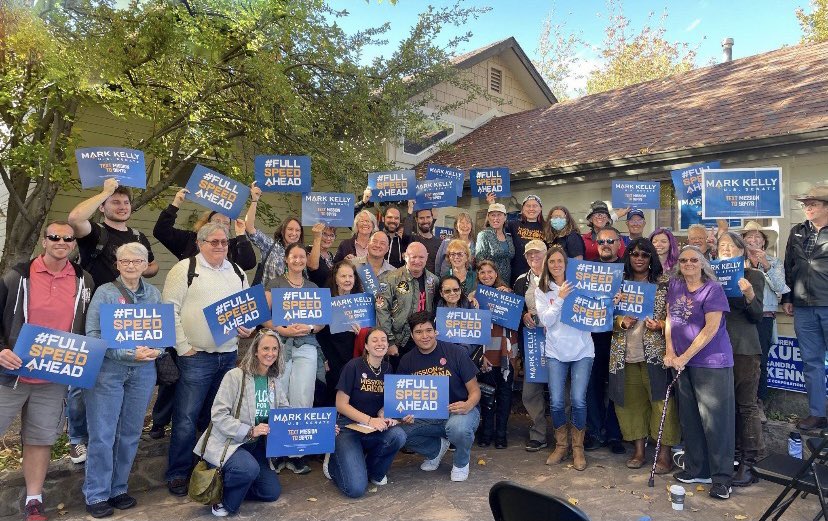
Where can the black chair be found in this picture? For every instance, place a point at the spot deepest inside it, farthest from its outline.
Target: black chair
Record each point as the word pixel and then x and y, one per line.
pixel 512 502
pixel 800 477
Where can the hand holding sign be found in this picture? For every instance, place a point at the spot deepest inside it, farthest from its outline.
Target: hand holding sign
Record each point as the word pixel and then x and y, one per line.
pixel 747 288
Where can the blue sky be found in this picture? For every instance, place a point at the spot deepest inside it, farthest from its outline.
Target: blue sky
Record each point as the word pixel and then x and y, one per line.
pixel 755 25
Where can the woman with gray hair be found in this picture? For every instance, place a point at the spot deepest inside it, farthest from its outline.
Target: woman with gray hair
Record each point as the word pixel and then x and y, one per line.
pixel 116 404
pixel 699 347
pixel 357 246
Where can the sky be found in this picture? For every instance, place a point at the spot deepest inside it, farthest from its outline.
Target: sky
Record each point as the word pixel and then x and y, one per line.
pixel 755 25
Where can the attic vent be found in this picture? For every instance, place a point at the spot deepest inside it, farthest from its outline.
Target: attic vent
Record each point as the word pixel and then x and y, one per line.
pixel 495 80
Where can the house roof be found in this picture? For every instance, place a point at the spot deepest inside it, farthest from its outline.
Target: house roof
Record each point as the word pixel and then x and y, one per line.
pixel 778 93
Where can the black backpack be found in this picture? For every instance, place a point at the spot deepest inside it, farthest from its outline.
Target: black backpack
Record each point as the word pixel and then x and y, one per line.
pixel 103 239
pixel 191 271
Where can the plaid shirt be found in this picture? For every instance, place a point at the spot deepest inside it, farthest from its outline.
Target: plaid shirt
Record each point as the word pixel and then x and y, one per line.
pixel 274 264
pixel 810 240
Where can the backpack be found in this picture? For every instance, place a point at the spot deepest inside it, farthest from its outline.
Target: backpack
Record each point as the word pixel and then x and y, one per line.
pixel 191 271
pixel 257 278
pixel 103 239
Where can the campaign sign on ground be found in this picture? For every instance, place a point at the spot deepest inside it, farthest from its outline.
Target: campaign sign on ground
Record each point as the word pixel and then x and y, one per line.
pixel 126 326
pixel 95 165
pixel 443 172
pixel 785 367
pixel 443 232
pixel 637 300
pixel 533 343
pixel 729 271
pixel 329 208
pixel 422 396
pixel 435 193
pixel 283 173
pixel 348 310
pixel 637 194
pixel 687 184
pixel 595 279
pixel 246 308
pixel 489 180
pixel 58 356
pixel 370 282
pixel 395 185
pixel 587 313
pixel 744 193
pixel 217 192
pixel 301 431
pixel 506 308
pixel 309 306
pixel 464 326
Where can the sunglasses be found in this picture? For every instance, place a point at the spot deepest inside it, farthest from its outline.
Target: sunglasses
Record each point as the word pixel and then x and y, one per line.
pixel 451 290
pixel 215 243
pixel 692 260
pixel 605 241
pixel 56 238
pixel 640 254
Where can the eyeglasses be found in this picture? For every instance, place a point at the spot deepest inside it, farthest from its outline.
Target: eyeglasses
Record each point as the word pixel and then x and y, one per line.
pixel 329 235
pixel 457 254
pixel 640 254
pixel 56 238
pixel 215 243
pixel 605 241
pixel 451 290
pixel 691 260
pixel 131 262
pixel 810 204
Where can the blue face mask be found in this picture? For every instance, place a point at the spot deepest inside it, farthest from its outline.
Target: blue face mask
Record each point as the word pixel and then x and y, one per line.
pixel 558 223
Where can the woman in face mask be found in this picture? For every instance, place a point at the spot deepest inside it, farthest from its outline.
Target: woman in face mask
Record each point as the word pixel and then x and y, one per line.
pixel 562 230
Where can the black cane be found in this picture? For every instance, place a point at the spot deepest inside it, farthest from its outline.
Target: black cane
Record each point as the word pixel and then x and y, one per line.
pixel 651 483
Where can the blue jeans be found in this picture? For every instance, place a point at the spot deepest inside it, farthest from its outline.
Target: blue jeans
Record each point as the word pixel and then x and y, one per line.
pixel 424 435
pixel 299 379
pixel 115 409
pixel 811 326
pixel 359 457
pixel 578 371
pixel 247 475
pixel 201 375
pixel 76 416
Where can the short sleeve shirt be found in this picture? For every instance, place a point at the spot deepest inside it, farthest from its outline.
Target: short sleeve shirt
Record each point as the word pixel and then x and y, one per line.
pixel 363 386
pixel 687 310
pixel 103 268
pixel 445 360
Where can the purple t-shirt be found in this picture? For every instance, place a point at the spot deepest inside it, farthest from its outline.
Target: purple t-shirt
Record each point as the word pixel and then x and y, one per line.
pixel 687 310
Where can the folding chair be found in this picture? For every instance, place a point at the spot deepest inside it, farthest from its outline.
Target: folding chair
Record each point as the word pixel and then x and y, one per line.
pixel 512 502
pixel 799 477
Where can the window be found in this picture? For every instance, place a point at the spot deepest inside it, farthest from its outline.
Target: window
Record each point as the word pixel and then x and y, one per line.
pixel 424 136
pixel 495 80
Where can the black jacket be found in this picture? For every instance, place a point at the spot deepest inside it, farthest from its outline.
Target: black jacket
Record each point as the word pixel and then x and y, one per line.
pixel 807 276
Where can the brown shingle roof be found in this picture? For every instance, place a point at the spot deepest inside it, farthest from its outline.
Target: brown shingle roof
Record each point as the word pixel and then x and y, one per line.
pixel 772 94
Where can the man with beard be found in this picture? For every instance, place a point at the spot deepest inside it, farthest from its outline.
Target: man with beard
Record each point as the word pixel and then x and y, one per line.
pixel 397 240
pixel 424 233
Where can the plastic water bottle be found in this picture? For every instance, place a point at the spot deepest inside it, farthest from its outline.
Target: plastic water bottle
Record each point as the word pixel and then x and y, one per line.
pixel 795 445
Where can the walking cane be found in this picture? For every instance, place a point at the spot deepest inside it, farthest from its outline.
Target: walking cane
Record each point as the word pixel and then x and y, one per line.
pixel 651 483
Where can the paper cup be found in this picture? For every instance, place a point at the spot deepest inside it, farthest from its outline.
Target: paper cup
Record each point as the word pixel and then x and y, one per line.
pixel 677 494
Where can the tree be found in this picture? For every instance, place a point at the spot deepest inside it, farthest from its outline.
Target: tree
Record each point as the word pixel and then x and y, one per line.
pixel 557 56
pixel 814 24
pixel 219 80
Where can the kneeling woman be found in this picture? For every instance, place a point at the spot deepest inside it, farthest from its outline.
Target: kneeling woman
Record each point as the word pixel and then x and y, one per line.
pixel 363 456
pixel 240 426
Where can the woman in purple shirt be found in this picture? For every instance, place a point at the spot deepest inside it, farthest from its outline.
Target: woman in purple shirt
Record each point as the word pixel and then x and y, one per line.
pixel 698 344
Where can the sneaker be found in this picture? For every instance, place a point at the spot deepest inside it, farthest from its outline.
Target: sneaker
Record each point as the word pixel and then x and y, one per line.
pixel 77 453
pixel 460 473
pixel 34 511
pixel 432 464
pixel 177 487
pixel 157 433
pixel 278 464
pixel 591 442
pixel 720 491
pixel 535 445
pixel 452 448
pixel 325 464
pixel 122 501
pixel 381 482
pixel 99 510
pixel 219 510
pixel 685 477
pixel 297 465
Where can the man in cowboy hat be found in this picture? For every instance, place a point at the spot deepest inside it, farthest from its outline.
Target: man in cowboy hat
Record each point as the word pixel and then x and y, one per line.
pixel 806 273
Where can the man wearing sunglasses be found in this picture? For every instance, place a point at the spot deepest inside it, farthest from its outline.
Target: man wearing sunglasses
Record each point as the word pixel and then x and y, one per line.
pixel 48 291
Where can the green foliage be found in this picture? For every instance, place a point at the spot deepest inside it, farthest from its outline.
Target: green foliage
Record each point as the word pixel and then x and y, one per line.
pixel 814 24
pixel 557 56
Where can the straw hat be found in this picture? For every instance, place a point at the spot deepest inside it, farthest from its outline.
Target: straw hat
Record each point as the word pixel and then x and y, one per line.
pixel 817 192
pixel 753 226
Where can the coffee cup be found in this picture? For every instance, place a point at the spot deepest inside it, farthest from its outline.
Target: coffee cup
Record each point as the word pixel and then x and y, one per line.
pixel 677 494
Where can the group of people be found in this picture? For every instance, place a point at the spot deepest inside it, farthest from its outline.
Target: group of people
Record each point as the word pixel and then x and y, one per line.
pixel 219 405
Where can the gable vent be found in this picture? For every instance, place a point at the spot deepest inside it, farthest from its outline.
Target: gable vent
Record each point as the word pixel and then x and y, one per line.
pixel 496 80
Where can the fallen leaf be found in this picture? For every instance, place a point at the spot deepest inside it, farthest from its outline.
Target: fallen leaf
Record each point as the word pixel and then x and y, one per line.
pixel 688 494
pixel 61 506
pixel 694 509
pixel 312 499
pixel 647 497
pixel 739 516
pixel 482 462
pixel 570 466
pixel 606 486
pixel 572 500
pixel 62 512
pixel 372 489
pixel 699 488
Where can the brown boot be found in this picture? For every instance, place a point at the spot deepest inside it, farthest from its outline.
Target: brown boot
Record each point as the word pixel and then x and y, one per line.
pixel 561 446
pixel 636 461
pixel 578 457
pixel 664 460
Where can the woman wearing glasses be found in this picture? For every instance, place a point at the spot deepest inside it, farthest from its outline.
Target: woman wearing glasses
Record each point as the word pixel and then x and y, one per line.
pixel 464 232
pixel 459 265
pixel 116 404
pixel 698 345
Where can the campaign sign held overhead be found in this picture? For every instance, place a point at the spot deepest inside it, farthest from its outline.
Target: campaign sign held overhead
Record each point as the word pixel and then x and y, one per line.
pixel 395 185
pixel 637 194
pixel 435 193
pixel 217 192
pixel 506 308
pixel 785 367
pixel 125 326
pixel 247 308
pixel 443 172
pixel 58 356
pixel 329 208
pixel 687 183
pixel 742 193
pixel 443 232
pixel 283 173
pixel 309 306
pixel 637 300
pixel 490 180
pixel 97 164
pixel 422 396
pixel 301 431
pixel 464 326
pixel 352 310
pixel 533 346
pixel 729 271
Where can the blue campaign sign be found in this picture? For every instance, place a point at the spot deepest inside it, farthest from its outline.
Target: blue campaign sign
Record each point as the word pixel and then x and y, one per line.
pixel 489 180
pixel 348 310
pixel 329 208
pixel 464 326
pixel 533 345
pixel 394 185
pixel 369 280
pixel 422 396
pixel 435 193
pixel 443 232
pixel 637 194
pixel 637 300
pixel 443 172
pixel 301 431
pixel 126 326
pixel 593 314
pixel 246 308
pixel 283 173
pixel 744 193
pixel 506 308
pixel 309 306
pixel 785 367
pixel 687 183
pixel 217 192
pixel 729 271
pixel 58 356
pixel 595 279
pixel 100 163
